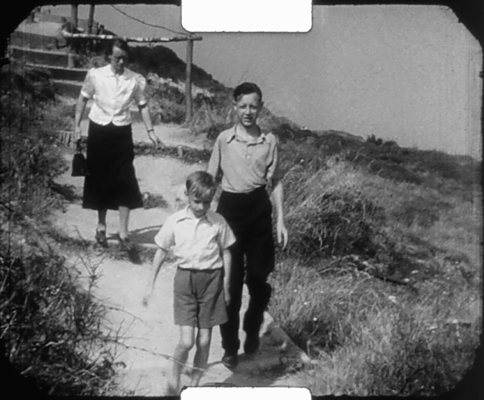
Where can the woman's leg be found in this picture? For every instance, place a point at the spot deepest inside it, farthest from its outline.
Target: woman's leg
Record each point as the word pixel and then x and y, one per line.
pixel 204 338
pixel 101 219
pixel 123 222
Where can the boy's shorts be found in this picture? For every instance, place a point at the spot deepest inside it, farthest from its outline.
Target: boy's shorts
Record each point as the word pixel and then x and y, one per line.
pixel 199 298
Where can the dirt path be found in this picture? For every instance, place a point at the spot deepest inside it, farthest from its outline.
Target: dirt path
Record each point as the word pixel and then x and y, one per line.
pixel 148 334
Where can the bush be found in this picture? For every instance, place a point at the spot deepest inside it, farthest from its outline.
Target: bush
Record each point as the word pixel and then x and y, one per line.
pixel 329 214
pixel 29 156
pixel 50 325
pixel 335 224
pixel 211 119
pixel 370 338
pixel 381 271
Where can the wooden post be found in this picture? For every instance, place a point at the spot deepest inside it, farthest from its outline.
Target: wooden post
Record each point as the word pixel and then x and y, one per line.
pixel 188 82
pixel 71 47
pixel 90 20
pixel 74 19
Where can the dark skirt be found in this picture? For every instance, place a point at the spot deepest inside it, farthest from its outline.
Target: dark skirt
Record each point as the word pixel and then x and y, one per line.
pixel 111 181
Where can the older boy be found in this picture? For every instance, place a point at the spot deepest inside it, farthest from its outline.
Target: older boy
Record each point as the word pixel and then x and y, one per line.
pixel 200 240
pixel 248 160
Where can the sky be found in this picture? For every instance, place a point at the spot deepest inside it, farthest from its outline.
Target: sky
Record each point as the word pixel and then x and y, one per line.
pixel 399 72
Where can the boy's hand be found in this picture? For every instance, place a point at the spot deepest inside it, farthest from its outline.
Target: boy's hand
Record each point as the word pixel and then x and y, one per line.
pixel 227 297
pixel 282 235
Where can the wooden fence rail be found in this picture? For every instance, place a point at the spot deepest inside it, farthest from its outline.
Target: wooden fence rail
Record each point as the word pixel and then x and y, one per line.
pixel 131 39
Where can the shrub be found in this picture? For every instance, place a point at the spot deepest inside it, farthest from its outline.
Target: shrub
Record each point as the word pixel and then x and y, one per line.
pixel 381 269
pixel 335 224
pixel 367 337
pixel 211 119
pixel 328 218
pixel 51 326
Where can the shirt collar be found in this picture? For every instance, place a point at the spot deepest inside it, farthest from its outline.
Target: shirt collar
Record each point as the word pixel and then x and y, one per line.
pixel 184 214
pixel 109 72
pixel 233 135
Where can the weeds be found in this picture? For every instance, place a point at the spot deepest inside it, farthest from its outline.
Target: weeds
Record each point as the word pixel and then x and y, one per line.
pixel 374 339
pixel 50 324
pixel 361 239
pixel 355 208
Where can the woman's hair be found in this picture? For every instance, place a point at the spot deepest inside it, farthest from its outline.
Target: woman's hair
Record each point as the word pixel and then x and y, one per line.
pixel 121 44
pixel 247 88
pixel 201 184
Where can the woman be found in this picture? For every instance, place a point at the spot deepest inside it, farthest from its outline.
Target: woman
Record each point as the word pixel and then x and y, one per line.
pixel 111 183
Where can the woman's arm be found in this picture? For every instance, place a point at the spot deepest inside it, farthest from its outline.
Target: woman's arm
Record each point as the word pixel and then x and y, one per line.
pixel 278 199
pixel 145 116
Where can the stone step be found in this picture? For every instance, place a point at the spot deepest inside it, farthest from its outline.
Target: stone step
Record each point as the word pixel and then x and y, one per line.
pixel 39 56
pixel 62 73
pixel 33 40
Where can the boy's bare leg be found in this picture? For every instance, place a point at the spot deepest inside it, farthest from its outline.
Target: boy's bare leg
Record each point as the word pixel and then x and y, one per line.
pixel 204 338
pixel 181 354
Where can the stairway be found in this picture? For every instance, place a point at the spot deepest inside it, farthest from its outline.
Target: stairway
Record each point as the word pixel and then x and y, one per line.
pixel 34 44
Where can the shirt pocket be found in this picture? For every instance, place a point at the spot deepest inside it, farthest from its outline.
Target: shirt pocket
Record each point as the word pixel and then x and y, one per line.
pixel 260 156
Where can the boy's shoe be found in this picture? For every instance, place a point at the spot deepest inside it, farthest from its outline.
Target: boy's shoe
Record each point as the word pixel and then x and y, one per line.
pixel 230 360
pixel 251 343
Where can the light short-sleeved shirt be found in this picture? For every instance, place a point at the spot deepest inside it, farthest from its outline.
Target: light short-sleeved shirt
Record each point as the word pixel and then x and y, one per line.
pixel 113 94
pixel 245 165
pixel 197 243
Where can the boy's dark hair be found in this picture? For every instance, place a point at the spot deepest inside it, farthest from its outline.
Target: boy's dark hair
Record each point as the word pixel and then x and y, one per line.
pixel 119 43
pixel 201 184
pixel 247 88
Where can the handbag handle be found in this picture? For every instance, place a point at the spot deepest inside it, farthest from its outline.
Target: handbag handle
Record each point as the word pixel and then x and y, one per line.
pixel 78 146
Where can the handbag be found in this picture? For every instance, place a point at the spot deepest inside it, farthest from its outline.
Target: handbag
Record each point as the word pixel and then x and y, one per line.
pixel 79 165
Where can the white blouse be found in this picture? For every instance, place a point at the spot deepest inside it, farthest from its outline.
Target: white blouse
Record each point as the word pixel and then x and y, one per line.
pixel 113 95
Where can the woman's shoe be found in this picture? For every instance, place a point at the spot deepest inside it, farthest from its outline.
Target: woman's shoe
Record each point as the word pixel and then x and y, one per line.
pixel 101 238
pixel 125 243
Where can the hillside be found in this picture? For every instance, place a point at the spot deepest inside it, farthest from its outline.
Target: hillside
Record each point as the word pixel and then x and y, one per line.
pixel 380 284
pixel 165 74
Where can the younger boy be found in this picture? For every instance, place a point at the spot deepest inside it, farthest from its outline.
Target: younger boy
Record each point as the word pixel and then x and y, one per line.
pixel 200 240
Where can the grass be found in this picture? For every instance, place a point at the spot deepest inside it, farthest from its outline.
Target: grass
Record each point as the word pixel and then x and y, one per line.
pixel 50 326
pixel 371 338
pixel 381 281
pixel 51 322
pixel 380 284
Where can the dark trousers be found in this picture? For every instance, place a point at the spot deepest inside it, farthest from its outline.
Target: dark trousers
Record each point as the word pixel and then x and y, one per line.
pixel 250 217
